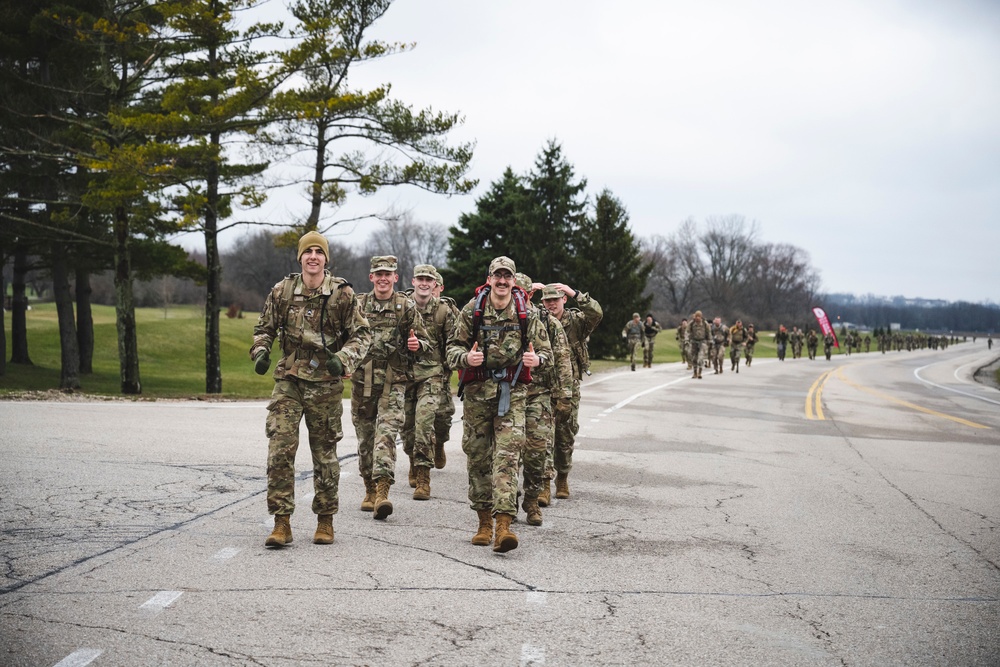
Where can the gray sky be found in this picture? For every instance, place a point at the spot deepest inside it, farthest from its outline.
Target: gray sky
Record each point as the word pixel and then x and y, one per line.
pixel 865 132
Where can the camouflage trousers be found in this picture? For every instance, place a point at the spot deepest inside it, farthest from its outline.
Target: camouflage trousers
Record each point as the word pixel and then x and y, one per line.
pixel 493 446
pixel 735 352
pixel 420 407
pixel 647 352
pixel 685 346
pixel 632 345
pixel 538 442
pixel 748 351
pixel 377 419
pixel 322 405
pixel 699 352
pixel 442 420
pixel 566 428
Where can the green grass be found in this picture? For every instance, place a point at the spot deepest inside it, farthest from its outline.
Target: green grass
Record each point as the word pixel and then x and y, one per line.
pixel 172 355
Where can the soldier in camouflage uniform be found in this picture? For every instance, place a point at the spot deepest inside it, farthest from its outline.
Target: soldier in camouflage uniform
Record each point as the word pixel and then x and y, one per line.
pixel 750 344
pixel 578 323
pixel 796 338
pixel 550 391
pixel 424 393
pixel 828 343
pixel 684 342
pixel 720 340
pixel 632 333
pixel 378 385
pixel 442 420
pixel 812 342
pixel 496 356
pixel 650 327
pixel 321 333
pixel 700 334
pixel 737 338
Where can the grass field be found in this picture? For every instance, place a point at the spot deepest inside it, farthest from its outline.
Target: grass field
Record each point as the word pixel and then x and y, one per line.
pixel 172 355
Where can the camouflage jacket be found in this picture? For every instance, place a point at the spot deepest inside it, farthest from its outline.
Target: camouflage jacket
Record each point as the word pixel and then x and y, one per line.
pixel 579 323
pixel 391 321
pixel 499 339
pixel 699 332
pixel 555 376
pixel 720 335
pixel 682 333
pixel 633 331
pixel 439 318
pixel 292 313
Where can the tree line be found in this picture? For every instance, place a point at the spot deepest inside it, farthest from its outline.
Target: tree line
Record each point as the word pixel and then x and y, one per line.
pixel 124 122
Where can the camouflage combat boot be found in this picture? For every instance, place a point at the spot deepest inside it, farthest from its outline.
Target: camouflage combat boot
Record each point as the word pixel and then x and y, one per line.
pixel 545 497
pixel 440 459
pixel 324 529
pixel 530 506
pixel 282 533
pixel 484 535
pixel 383 507
pixel 413 474
pixel 504 540
pixel 423 489
pixel 368 504
pixel 562 485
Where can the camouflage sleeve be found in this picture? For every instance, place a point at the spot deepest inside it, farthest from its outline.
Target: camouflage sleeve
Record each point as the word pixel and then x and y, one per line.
pixel 267 323
pixel 448 327
pixel 460 338
pixel 359 334
pixel 538 336
pixel 592 310
pixel 561 360
pixel 415 322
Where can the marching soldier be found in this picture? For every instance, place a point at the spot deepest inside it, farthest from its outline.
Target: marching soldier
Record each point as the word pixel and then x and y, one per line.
pixel 683 342
pixel 650 328
pixel 720 339
pixel 633 335
pixel 751 343
pixel 737 339
pixel 699 333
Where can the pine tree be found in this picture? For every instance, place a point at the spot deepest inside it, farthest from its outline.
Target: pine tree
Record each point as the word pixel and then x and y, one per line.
pixel 609 265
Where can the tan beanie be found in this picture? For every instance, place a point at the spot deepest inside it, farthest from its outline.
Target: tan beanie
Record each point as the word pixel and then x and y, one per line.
pixel 311 239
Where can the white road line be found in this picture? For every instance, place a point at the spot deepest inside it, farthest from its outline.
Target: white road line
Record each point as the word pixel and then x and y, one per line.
pixel 916 374
pixel 633 397
pixel 537 598
pixel 161 600
pixel 225 554
pixel 79 657
pixel 532 655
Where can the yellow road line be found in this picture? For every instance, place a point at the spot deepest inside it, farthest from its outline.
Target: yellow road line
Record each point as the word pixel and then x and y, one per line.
pixel 912 406
pixel 814 399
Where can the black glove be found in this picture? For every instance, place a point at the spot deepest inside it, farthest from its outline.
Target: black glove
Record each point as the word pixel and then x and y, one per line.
pixel 262 362
pixel 335 365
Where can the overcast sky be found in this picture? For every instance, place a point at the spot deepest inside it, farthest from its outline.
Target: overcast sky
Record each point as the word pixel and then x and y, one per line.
pixel 865 132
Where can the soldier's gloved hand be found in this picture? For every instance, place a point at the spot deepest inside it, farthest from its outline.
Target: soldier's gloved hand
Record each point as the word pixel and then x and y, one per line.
pixel 564 407
pixel 262 362
pixel 335 365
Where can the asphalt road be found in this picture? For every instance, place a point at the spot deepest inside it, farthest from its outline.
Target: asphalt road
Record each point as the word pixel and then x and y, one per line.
pixel 797 513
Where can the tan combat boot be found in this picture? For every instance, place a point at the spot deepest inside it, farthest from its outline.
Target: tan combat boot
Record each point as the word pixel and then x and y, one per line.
pixel 545 497
pixel 383 507
pixel 423 488
pixel 504 540
pixel 530 506
pixel 440 459
pixel 413 474
pixel 484 535
pixel 562 485
pixel 324 529
pixel 282 533
pixel 368 504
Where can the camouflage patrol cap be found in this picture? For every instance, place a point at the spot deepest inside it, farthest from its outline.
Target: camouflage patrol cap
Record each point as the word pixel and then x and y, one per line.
pixel 502 263
pixel 635 315
pixel 438 278
pixel 522 281
pixel 383 263
pixel 550 291
pixel 425 270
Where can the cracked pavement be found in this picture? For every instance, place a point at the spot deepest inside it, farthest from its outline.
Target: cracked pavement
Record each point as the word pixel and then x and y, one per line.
pixel 693 536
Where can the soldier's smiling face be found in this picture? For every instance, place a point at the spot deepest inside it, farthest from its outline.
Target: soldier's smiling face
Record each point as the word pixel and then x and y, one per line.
pixel 501 282
pixel 313 261
pixel 424 285
pixel 383 282
pixel 555 305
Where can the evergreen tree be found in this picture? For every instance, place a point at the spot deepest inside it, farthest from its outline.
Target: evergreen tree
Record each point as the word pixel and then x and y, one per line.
pixel 496 228
pixel 556 210
pixel 609 265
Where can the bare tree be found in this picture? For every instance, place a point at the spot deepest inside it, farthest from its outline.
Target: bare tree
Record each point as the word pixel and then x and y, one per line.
pixel 411 242
pixel 728 244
